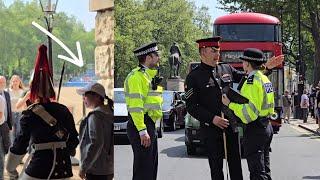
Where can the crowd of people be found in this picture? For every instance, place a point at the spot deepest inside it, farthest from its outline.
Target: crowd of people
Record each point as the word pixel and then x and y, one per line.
pixel 309 104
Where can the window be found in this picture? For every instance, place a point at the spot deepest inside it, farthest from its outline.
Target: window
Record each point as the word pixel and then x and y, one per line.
pixel 248 32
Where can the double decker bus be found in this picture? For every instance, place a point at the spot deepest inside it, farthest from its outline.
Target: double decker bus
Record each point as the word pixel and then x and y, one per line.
pixel 252 30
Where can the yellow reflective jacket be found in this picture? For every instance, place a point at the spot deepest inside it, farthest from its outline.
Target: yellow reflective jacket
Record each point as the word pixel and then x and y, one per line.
pixel 259 91
pixel 140 98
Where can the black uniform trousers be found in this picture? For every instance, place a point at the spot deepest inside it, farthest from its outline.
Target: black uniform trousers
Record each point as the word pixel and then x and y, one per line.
pixel 145 162
pixel 215 148
pixel 256 143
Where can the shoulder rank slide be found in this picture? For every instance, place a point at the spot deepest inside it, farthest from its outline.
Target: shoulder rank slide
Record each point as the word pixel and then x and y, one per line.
pixel 250 79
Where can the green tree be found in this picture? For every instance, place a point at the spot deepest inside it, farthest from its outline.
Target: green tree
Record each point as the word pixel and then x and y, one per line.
pixel 139 22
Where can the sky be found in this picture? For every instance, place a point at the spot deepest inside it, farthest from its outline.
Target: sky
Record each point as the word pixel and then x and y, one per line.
pixel 80 9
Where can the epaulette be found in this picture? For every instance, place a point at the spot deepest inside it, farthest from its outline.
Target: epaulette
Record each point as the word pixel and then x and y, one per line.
pixel 250 79
pixel 195 68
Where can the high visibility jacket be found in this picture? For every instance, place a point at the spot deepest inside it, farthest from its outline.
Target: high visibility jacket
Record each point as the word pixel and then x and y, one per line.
pixel 140 98
pixel 259 91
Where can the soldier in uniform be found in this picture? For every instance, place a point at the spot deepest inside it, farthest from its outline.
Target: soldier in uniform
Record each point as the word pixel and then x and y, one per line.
pixel 50 128
pixel 203 100
pixel 144 102
pixel 258 89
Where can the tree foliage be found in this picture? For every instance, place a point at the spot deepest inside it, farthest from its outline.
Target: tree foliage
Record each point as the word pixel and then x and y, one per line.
pixel 143 21
pixel 310 27
pixel 20 40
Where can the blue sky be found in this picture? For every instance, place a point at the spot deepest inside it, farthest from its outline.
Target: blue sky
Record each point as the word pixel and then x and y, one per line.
pixel 80 9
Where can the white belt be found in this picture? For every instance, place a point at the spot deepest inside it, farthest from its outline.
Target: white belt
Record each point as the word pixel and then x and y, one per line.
pixel 45 146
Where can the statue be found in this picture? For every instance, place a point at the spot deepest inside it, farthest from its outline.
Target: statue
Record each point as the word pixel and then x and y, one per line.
pixel 174 60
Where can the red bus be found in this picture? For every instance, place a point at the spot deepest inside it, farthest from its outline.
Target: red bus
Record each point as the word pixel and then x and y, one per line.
pixel 252 30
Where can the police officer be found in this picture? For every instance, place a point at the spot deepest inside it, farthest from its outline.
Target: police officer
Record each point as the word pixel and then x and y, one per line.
pixel 50 128
pixel 144 102
pixel 203 100
pixel 258 89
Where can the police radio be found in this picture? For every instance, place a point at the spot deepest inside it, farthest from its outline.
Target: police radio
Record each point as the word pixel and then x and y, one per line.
pixel 157 79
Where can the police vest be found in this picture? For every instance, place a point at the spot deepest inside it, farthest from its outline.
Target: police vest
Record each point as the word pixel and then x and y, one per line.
pixel 259 91
pixel 140 98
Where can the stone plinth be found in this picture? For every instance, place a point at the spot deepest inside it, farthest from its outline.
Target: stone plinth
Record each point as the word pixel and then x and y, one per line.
pixel 175 84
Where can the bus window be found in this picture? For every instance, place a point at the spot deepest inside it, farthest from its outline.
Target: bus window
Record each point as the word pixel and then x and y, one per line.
pixel 247 32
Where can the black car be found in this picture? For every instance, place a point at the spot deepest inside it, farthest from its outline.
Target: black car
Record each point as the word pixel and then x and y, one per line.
pixel 174 110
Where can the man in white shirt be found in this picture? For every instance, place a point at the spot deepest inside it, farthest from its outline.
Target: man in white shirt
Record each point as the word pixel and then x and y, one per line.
pixel 304 104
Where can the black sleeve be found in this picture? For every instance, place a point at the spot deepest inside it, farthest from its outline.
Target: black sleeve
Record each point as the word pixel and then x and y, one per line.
pixel 9 111
pixel 236 74
pixel 21 142
pixel 73 140
pixel 192 102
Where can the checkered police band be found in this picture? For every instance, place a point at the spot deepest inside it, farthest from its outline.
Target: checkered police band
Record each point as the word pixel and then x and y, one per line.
pixel 252 58
pixel 147 51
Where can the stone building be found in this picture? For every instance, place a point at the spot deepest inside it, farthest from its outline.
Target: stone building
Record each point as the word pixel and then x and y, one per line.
pixel 104 37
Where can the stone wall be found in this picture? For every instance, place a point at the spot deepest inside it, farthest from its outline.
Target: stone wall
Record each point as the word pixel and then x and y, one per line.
pixel 104 37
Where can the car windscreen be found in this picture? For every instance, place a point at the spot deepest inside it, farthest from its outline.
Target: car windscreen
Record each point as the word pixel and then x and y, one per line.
pixel 119 97
pixel 247 32
pixel 167 100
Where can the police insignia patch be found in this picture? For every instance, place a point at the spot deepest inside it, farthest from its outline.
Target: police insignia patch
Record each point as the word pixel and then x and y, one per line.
pixel 268 87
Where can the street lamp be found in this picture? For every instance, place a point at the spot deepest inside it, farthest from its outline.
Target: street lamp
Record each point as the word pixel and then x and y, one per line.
pixel 49 9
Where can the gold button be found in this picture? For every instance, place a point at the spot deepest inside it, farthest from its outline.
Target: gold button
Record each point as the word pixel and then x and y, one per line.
pixel 56 163
pixel 65 173
pixel 56 174
pixel 63 162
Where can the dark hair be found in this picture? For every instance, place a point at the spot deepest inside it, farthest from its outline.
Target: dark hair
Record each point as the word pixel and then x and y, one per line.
pixel 256 65
pixel 142 59
pixel 110 103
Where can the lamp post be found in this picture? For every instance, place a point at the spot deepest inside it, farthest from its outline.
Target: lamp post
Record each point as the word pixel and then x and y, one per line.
pixel 300 62
pixel 49 9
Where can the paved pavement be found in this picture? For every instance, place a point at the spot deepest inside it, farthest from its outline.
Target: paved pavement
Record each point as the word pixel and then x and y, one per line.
pixel 311 125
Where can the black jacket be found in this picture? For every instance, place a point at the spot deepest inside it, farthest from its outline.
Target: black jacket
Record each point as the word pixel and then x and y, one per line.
pixel 9 111
pixel 35 129
pixel 203 94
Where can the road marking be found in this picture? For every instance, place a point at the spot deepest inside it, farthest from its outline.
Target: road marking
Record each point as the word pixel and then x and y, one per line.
pixel 74 60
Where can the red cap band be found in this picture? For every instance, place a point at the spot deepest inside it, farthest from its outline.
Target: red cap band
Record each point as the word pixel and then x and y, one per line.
pixel 209 44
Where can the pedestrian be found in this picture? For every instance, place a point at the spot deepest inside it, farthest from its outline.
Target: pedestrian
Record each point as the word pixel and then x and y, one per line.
pixel 4 133
pixel 96 135
pixel 304 105
pixel 16 91
pixel 286 106
pixel 50 127
pixel 257 138
pixel 6 95
pixel 144 101
pixel 317 103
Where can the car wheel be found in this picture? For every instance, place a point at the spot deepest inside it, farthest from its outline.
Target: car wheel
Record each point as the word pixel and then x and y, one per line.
pixel 173 124
pixel 160 129
pixel 191 150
